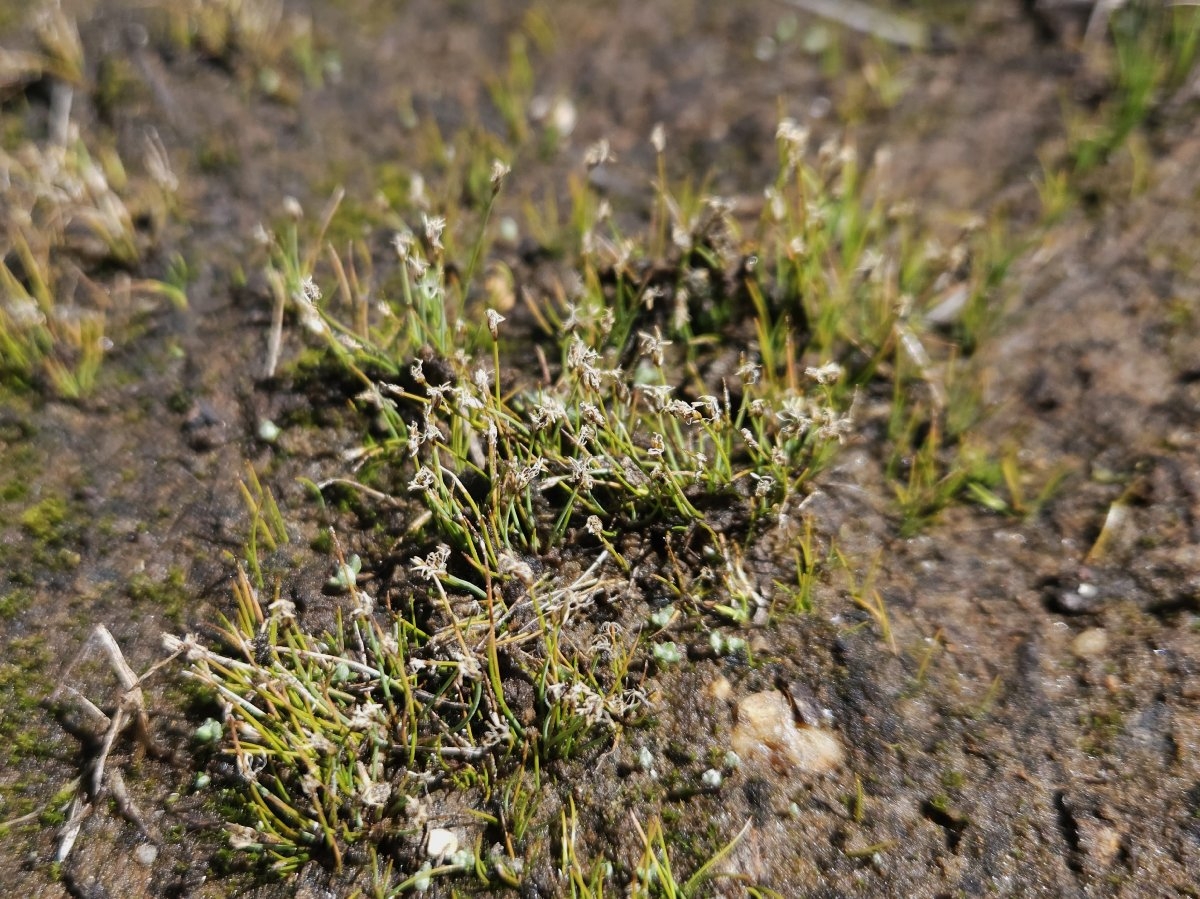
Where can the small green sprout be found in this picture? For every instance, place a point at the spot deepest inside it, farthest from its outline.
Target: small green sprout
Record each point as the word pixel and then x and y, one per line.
pixel 668 653
pixel 726 645
pixel 660 618
pixel 346 574
pixel 208 732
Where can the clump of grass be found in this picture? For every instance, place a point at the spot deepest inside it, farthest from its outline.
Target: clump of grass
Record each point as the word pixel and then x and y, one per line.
pixel 548 452
pixel 302 717
pixel 67 215
pixel 267 527
pixel 269 46
pixel 654 877
pixel 61 50
pixel 1154 51
pixel 335 738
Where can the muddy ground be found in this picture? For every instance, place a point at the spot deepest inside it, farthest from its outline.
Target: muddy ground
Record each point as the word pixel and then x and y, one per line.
pixel 1032 728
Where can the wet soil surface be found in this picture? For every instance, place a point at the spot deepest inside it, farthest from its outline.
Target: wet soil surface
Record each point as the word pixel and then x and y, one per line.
pixel 1031 727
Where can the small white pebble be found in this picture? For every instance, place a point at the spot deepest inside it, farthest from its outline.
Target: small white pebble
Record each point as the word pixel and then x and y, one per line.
pixel 645 759
pixel 268 431
pixel 441 843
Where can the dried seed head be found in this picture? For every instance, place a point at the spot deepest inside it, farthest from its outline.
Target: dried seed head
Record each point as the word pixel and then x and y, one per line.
pixel 658 138
pixel 709 408
pixel 549 409
pixel 563 117
pixel 434 226
pixel 493 320
pixel 749 371
pixel 829 373
pixel 306 299
pixel 598 154
pixel 591 412
pixel 365 716
pixel 417 266
pixel 312 292
pixel 422 481
pixel 793 135
pixel 680 313
pixel 499 173
pixel 513 566
pixel 282 610
pixel 402 242
pixel 681 410
pixel 433 565
pixel 158 162
pixel 652 345
pixel 416 191
pixel 526 475
pixel 775 203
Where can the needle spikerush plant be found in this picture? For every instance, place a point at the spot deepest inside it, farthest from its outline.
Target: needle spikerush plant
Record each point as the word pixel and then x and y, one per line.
pixel 541 467
pixel 624 427
pixel 67 210
pixel 335 739
pixel 1154 51
pixel 901 312
pixel 260 39
pixel 310 727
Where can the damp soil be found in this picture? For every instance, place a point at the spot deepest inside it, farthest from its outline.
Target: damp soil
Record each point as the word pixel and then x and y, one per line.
pixel 1031 725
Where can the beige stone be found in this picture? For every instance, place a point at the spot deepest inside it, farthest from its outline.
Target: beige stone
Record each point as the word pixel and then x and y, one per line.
pixel 1090 643
pixel 766 733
